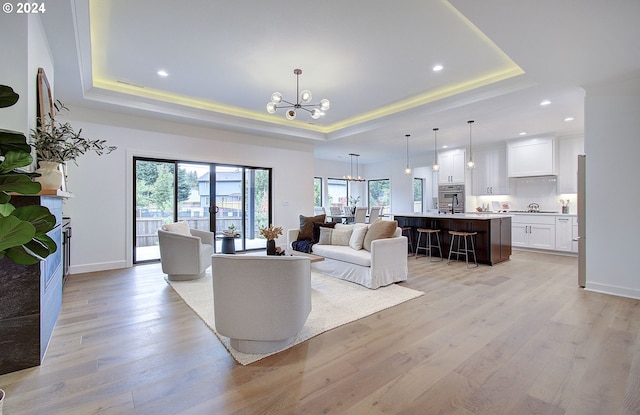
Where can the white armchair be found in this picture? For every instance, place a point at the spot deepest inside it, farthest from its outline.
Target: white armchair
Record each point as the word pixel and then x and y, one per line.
pixel 185 254
pixel 260 302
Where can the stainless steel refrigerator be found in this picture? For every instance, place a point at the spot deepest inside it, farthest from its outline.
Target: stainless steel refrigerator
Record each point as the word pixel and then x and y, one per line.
pixel 582 221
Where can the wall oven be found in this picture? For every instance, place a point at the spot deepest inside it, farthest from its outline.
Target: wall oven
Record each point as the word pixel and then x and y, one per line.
pixel 451 196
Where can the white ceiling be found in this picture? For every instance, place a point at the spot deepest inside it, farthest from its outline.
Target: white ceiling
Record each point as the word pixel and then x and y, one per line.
pixel 373 61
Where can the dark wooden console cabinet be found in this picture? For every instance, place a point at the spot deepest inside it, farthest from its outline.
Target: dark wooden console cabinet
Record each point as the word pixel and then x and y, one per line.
pixel 493 242
pixel 30 297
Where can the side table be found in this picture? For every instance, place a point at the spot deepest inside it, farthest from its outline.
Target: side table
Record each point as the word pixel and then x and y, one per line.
pixel 228 244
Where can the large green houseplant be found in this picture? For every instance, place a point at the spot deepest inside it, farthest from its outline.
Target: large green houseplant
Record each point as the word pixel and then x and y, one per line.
pixel 23 230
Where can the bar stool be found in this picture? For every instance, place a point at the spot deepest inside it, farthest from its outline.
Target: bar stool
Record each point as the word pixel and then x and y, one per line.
pixel 428 245
pixel 409 235
pixel 457 235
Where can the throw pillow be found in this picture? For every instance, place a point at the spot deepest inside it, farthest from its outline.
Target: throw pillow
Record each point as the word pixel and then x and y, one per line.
pixel 379 229
pixel 325 236
pixel 357 236
pixel 181 227
pixel 317 226
pixel 306 225
pixel 341 236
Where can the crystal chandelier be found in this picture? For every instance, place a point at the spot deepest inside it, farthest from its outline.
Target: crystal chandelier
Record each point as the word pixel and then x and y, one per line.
pixel 302 102
pixel 351 177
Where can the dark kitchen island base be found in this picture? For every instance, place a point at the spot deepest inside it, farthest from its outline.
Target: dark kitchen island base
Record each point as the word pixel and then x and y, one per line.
pixel 492 243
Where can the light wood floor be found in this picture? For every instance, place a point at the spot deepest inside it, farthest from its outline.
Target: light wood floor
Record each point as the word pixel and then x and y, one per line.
pixel 516 338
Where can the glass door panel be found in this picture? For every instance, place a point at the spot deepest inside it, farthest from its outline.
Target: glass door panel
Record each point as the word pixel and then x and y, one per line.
pixel 194 195
pixel 229 203
pixel 154 205
pixel 257 211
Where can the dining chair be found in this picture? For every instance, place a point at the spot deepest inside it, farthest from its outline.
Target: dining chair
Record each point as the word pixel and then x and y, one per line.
pixel 361 215
pixel 374 214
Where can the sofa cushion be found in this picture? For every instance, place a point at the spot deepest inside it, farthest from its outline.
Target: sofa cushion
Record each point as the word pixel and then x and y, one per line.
pixel 357 236
pixel 379 229
pixel 181 228
pixel 343 253
pixel 325 236
pixel 341 236
pixel 306 225
pixel 317 226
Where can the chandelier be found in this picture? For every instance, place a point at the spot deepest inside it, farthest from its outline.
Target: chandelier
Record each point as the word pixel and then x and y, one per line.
pixel 302 102
pixel 407 169
pixel 351 177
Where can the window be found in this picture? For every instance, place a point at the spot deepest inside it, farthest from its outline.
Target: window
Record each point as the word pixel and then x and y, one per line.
pixel 418 195
pixel 337 192
pixel 317 191
pixel 380 194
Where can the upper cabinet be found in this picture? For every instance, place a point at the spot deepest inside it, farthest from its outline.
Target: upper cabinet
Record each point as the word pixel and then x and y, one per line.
pixel 452 165
pixel 568 150
pixel 490 173
pixel 531 157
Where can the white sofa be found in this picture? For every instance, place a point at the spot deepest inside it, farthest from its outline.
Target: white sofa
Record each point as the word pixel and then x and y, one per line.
pixel 385 263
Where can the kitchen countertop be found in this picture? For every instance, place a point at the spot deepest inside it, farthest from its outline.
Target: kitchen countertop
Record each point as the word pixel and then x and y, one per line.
pixel 474 216
pixel 478 215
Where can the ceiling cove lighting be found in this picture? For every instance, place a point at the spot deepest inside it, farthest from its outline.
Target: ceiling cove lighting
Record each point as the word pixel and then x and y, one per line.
pixel 407 170
pixel 470 164
pixel 436 166
pixel 302 102
pixel 351 177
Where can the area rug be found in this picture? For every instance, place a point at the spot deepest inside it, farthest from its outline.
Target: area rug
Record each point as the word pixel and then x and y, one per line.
pixel 334 303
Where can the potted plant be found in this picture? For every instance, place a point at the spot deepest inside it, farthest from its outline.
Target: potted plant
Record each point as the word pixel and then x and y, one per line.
pixel 23 230
pixel 57 143
pixel 271 233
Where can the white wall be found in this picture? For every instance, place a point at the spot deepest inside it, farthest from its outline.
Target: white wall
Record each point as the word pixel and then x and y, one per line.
pixel 102 206
pixel 612 146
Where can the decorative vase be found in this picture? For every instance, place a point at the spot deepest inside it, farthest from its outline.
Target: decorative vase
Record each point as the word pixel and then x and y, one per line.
pixel 50 175
pixel 271 247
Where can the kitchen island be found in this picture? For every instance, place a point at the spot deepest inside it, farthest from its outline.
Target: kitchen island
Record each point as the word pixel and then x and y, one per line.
pixel 492 243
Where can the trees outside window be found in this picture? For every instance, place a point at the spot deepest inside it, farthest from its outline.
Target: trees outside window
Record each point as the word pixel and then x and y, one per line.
pixel 380 194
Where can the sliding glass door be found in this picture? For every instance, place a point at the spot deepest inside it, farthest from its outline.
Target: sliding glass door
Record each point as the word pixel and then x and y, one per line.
pixel 211 197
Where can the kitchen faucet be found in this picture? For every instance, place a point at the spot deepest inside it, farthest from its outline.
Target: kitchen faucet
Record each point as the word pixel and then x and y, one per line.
pixel 454 202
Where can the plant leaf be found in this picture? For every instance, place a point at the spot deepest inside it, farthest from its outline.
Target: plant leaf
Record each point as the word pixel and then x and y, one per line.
pixel 19 183
pixel 13 140
pixel 15 232
pixel 8 97
pixel 20 256
pixel 14 159
pixel 38 216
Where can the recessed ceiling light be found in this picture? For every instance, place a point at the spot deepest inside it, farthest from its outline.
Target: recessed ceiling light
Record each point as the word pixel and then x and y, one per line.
pixel 163 73
pixel 569 119
pixel 545 102
pixel 438 68
pixel 445 146
pixel 523 133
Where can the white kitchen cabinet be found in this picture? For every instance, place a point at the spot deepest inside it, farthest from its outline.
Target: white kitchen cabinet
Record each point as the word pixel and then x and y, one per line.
pixel 452 165
pixel 568 150
pixel 533 231
pixel 531 157
pixel 490 174
pixel 564 233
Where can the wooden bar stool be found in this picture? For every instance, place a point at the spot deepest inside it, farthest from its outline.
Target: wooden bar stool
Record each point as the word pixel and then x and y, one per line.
pixel 429 245
pixel 456 235
pixel 409 235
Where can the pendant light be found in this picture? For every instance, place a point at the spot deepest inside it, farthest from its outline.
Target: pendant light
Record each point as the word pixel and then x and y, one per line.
pixel 407 169
pixel 354 177
pixel 470 164
pixel 436 166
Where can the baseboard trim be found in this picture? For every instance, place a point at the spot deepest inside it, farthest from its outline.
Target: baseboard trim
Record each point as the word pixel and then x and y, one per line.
pixel 613 290
pixel 100 266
